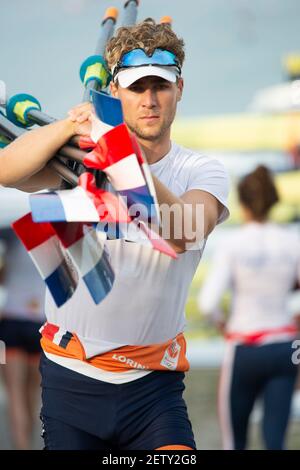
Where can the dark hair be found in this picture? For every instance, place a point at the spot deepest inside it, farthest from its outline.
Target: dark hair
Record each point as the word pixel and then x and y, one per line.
pixel 257 192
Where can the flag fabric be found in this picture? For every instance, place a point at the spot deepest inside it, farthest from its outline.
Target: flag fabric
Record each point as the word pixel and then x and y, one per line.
pixel 43 246
pixel 137 232
pixel 108 113
pixel 116 154
pixel 108 109
pixel 85 203
pixel 63 252
pixel 65 234
pixel 89 254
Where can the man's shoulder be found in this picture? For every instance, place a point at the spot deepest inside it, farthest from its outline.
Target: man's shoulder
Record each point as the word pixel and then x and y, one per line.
pixel 184 156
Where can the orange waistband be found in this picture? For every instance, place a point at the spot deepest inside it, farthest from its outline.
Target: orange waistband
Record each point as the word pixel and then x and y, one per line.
pixel 170 355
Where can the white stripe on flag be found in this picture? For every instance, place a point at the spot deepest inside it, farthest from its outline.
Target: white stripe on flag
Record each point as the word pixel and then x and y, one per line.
pixel 86 252
pixel 99 128
pixel 126 174
pixel 58 336
pixel 47 256
pixel 78 206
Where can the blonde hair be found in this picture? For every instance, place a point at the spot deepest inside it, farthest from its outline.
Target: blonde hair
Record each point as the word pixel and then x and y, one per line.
pixel 147 35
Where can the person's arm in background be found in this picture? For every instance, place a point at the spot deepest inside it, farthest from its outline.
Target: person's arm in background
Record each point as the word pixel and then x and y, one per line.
pixel 23 162
pixel 217 282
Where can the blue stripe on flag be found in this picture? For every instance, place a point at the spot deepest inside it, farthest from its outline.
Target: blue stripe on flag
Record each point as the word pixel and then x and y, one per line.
pixel 100 279
pixel 112 230
pixel 61 284
pixel 108 108
pixel 143 199
pixel 66 338
pixel 47 208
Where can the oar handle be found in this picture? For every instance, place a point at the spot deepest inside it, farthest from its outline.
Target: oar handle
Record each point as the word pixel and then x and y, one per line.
pixel 130 12
pixel 93 72
pixel 166 20
pixel 63 171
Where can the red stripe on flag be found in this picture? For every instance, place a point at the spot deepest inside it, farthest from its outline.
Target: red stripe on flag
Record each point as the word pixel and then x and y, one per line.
pixel 116 211
pixel 86 143
pixel 109 206
pixel 69 233
pixel 32 234
pixel 49 331
pixel 158 243
pixel 92 160
pixel 114 145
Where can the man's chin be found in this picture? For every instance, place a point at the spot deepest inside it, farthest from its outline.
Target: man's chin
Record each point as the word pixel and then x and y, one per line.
pixel 148 134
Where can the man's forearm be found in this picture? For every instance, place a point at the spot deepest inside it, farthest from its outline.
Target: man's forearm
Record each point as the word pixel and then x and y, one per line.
pixel 177 217
pixel 29 153
pixel 190 218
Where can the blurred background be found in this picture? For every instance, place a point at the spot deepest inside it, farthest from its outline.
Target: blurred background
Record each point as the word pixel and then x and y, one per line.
pixel 241 105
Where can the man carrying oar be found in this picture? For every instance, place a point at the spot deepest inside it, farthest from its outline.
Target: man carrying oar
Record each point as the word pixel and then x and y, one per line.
pixel 112 374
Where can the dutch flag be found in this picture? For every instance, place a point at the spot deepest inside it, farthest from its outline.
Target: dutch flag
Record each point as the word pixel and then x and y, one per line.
pixel 85 203
pixel 44 247
pixel 88 252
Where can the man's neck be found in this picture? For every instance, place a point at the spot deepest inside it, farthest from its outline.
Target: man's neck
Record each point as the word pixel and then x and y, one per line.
pixel 155 150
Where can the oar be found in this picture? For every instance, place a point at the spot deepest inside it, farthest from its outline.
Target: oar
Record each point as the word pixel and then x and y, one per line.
pixel 93 72
pixel 166 20
pixel 130 12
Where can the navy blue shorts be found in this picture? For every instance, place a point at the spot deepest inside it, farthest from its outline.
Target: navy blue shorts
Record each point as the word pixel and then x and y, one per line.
pixel 21 334
pixel 82 413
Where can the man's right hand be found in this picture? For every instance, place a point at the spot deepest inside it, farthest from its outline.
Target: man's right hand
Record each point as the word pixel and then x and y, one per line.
pixel 81 116
pixel 81 113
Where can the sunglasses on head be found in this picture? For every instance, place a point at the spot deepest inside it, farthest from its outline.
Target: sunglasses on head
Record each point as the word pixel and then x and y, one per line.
pixel 139 58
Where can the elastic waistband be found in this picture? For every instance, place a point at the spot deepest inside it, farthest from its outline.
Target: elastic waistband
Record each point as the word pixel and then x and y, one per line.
pixel 170 355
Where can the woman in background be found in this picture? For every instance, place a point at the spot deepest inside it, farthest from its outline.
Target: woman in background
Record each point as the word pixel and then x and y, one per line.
pixel 20 319
pixel 260 263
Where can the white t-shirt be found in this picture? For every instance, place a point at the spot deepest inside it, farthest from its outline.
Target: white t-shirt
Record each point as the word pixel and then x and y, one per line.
pixel 260 263
pixel 146 303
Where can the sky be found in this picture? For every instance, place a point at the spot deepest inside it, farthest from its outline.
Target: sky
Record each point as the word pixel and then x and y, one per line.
pixel 233 48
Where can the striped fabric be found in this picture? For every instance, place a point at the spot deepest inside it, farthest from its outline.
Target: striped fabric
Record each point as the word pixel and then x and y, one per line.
pixel 118 155
pixel 85 203
pixel 44 247
pixel 89 255
pixel 64 252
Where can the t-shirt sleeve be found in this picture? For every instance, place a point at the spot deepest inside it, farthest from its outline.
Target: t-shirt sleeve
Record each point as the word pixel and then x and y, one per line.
pixel 211 177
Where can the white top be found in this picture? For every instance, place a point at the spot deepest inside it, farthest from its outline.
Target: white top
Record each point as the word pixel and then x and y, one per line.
pixel 25 290
pixel 146 303
pixel 260 263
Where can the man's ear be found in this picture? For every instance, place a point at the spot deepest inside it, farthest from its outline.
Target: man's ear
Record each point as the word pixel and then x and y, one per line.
pixel 114 90
pixel 180 86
